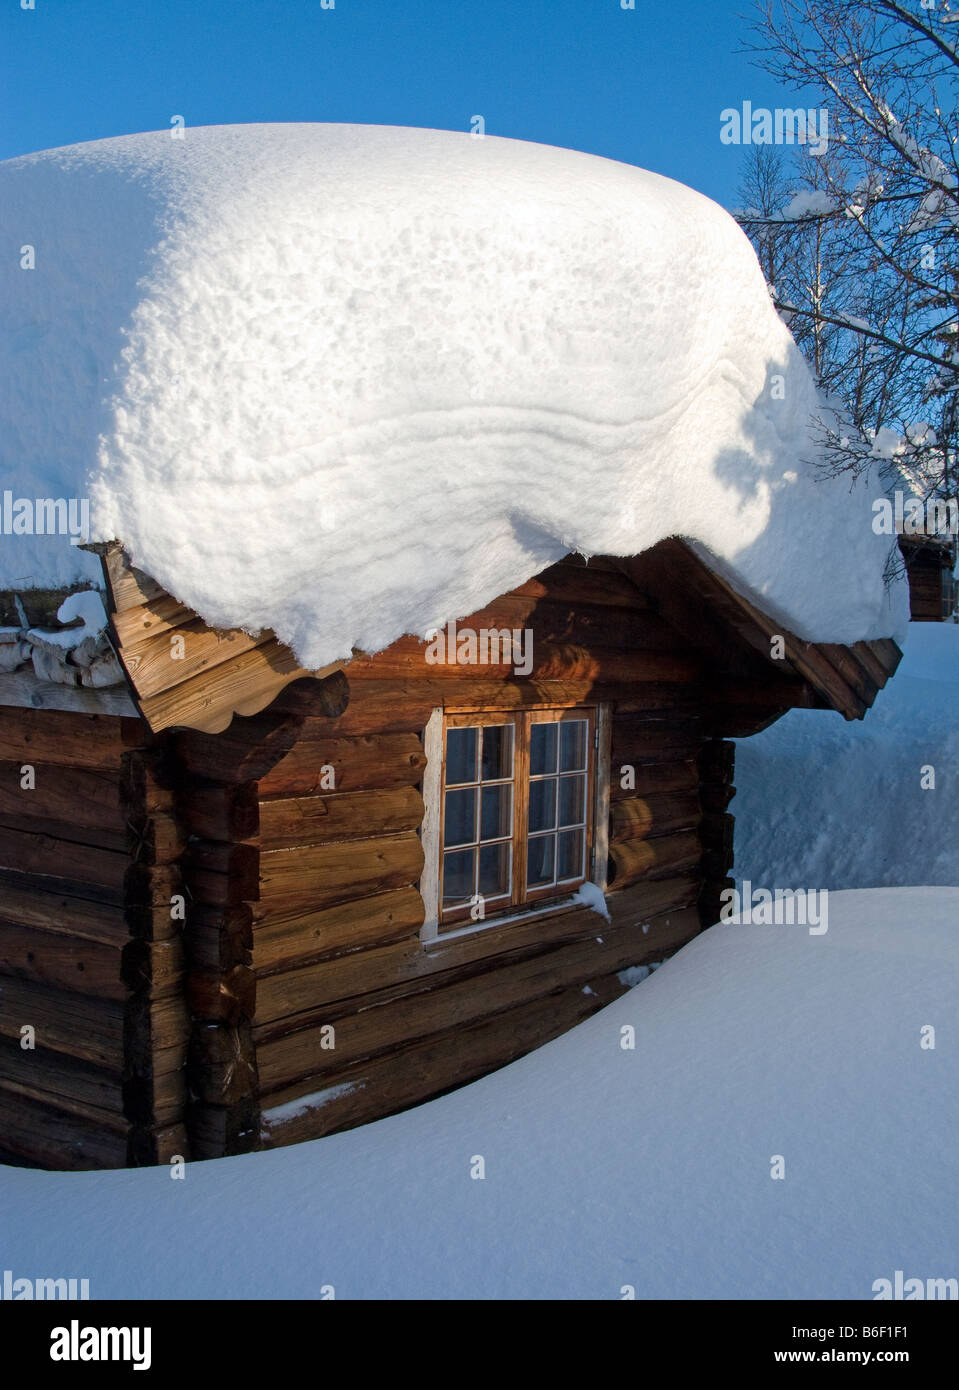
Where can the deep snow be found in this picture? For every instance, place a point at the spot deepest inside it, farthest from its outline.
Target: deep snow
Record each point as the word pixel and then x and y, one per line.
pixel 822 803
pixel 352 381
pixel 605 1168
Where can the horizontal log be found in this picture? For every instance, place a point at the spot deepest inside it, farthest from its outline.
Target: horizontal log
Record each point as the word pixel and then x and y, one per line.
pixel 158 1095
pixel 407 660
pixel 401 964
pixel 370 1031
pixel 717 831
pixel 27 852
pixel 281 943
pixel 358 764
pixel 53 1077
pixel 404 706
pixel 89 1029
pixel 74 740
pixel 415 1073
pixel 667 854
pixel 652 779
pixel 71 834
pixel 565 582
pixel 156 1034
pixel 25 904
pixel 154 968
pixel 640 817
pixel 81 796
pixel 242 753
pixel 311 820
pixel 60 961
pixel 221 873
pixel 58 1138
pixel 158 1145
pixel 320 875
pixel 216 1130
pixel 151 891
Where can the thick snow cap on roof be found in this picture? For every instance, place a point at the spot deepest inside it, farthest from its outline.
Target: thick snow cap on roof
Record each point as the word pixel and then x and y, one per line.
pixel 348 382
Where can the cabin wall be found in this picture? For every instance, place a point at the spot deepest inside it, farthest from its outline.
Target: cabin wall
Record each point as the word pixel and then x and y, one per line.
pixel 316 1004
pixel 90 957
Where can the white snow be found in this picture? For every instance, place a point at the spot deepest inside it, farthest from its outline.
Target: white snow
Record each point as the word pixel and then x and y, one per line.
pixel 348 382
pixel 606 1167
pixel 822 803
pixel 591 895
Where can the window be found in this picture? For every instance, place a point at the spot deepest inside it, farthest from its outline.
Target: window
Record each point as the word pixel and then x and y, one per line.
pixel 515 822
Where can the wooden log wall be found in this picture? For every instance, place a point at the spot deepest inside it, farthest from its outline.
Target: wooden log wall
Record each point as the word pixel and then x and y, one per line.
pixel 92 1020
pixel 354 1016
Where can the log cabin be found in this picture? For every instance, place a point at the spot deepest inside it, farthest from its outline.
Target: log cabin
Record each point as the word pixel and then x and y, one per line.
pixel 930 562
pixel 244 905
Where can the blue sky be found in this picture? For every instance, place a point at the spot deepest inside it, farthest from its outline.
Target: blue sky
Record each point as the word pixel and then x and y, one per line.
pixel 644 85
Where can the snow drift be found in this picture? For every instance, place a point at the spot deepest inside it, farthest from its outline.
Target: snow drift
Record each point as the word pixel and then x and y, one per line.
pixel 607 1168
pixel 349 382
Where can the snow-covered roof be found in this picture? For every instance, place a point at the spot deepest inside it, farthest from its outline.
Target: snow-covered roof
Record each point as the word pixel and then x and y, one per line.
pixel 347 382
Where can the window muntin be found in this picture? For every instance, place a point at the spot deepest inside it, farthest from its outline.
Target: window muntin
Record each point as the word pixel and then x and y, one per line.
pixel 517 798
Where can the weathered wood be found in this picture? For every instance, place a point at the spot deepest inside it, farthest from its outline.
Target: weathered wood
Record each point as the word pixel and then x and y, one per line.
pixel 222 873
pixel 628 780
pixel 654 815
pixel 244 752
pixel 371 1031
pixel 52 859
pixel 23 689
pixel 73 740
pixel 297 987
pixel 51 1076
pixel 717 761
pixel 358 764
pixel 154 968
pixel 126 585
pixel 311 820
pixel 218 938
pixel 406 660
pixel 222 996
pixel 60 1137
pixel 60 961
pixel 414 1073
pixel 284 942
pixel 82 796
pixel 570 583
pixel 716 831
pixel 321 875
pixel 223 1067
pixel 216 812
pixel 89 1029
pixel 25 904
pixel 150 893
pixel 667 854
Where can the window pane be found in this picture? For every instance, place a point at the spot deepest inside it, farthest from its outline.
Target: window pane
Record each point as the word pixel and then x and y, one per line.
pixel 461 746
pixel 570 858
pixel 496 816
pixel 539 861
pixel 460 823
pixel 572 800
pixel 542 749
pixel 458 876
pixel 572 750
pixel 542 805
pixel 494 870
pixel 497 752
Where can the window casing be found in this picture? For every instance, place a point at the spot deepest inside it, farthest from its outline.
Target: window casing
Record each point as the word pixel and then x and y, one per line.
pixel 516 811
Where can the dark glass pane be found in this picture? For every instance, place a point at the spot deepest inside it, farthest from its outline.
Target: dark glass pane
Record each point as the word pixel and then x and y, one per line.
pixel 496 817
pixel 570 857
pixel 458 876
pixel 572 744
pixel 460 825
pixel 572 800
pixel 542 805
pixel 542 749
pixel 497 752
pixel 494 870
pixel 539 861
pixel 461 746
